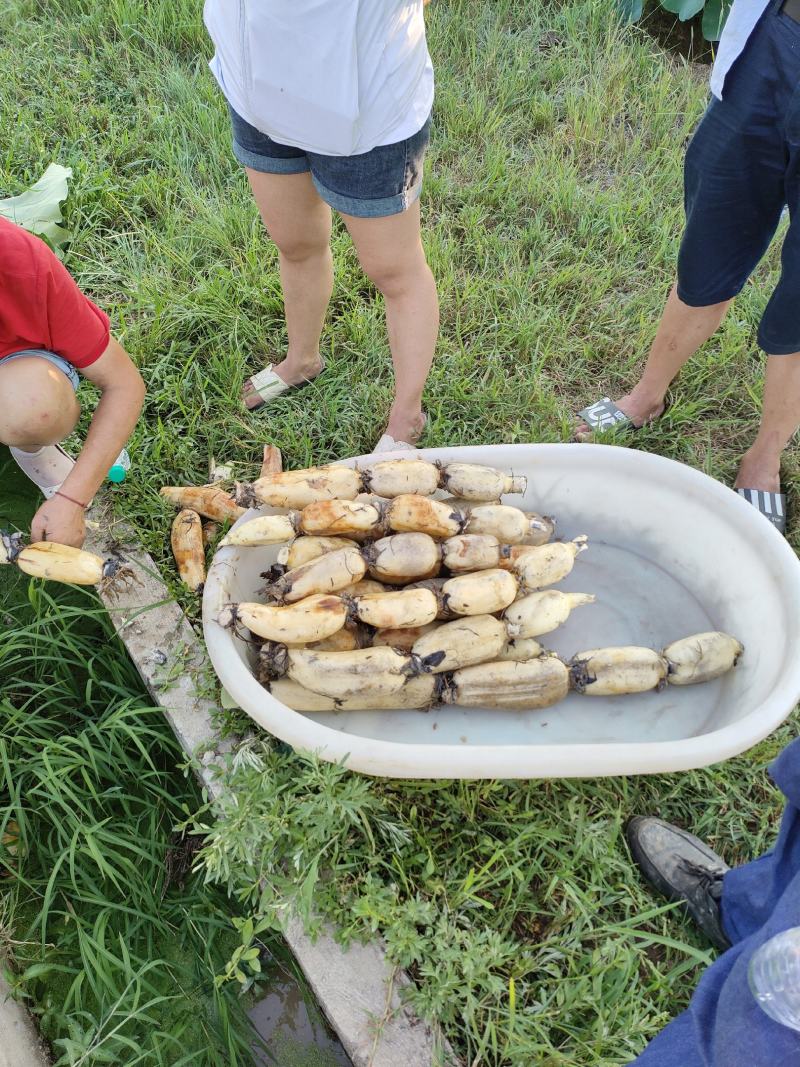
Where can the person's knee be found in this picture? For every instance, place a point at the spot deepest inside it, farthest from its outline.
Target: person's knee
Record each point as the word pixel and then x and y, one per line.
pixel 38 405
pixel 393 276
pixel 298 250
pixel 299 246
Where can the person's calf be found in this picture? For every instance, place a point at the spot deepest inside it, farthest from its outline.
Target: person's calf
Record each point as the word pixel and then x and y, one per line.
pixel 780 417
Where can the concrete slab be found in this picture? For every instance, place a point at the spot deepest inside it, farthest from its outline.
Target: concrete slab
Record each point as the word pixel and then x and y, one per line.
pixel 358 989
pixel 20 1044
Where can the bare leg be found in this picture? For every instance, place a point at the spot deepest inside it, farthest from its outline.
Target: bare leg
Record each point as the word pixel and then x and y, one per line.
pixel 299 223
pixel 391 253
pixel 38 404
pixel 780 418
pixel 682 330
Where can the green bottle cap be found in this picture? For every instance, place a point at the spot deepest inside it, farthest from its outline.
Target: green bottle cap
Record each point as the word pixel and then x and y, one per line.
pixel 117 473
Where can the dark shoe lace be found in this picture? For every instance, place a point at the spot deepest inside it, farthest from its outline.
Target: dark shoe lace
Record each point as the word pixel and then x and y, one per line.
pixel 708 878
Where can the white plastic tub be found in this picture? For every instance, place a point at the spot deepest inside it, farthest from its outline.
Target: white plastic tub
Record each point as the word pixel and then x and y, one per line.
pixel 672 552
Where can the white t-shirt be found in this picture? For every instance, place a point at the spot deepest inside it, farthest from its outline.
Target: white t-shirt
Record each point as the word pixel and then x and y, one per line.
pixel 337 77
pixel 741 22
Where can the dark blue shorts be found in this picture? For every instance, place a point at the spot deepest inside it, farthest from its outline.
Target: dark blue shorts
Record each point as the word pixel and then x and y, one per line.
pixel 742 169
pixel 384 181
pixel 724 1025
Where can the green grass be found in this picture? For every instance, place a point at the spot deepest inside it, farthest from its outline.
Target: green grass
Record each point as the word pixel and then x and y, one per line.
pixel 113 943
pixel 552 215
pixel 515 905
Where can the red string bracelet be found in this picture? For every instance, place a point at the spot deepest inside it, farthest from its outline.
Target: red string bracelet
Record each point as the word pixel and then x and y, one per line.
pixel 71 499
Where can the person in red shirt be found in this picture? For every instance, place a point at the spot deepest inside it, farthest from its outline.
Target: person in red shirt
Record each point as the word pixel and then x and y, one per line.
pixel 50 333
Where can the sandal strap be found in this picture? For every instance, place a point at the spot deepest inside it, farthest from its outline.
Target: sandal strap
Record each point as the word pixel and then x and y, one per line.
pixel 604 414
pixel 268 385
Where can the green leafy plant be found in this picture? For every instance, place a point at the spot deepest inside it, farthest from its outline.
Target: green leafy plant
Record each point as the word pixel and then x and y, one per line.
pixel 514 905
pixel 113 942
pixel 713 12
pixel 38 208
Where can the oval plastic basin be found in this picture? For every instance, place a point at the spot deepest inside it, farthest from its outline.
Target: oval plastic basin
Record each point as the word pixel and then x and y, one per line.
pixel 672 552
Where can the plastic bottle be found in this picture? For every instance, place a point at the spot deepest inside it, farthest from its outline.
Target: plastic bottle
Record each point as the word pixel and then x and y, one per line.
pixel 774 977
pixel 120 467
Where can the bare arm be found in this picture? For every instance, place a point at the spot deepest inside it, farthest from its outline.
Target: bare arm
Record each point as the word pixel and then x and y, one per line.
pixel 122 394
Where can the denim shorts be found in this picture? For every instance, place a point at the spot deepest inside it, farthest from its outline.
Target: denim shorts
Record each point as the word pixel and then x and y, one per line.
pixel 384 181
pixel 57 361
pixel 742 169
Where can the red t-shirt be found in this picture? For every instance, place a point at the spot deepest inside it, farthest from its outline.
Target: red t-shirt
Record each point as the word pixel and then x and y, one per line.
pixel 40 304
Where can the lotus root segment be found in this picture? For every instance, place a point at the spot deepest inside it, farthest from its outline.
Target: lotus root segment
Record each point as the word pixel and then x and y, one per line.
pixel 403 558
pixel 472 481
pixel 701 657
pixel 374 672
pixel 263 530
pixel 410 513
pixel 536 683
pixel 509 525
pixel 188 548
pixel 326 574
pixel 207 500
pixel 617 671
pixel 548 564
pixel 398 609
pixel 471 552
pixel 400 477
pixel 296 489
pixel 61 563
pixel 481 593
pixel 462 643
pixel 341 518
pixel 312 619
pixel 303 549
pixel 540 613
pixel 419 692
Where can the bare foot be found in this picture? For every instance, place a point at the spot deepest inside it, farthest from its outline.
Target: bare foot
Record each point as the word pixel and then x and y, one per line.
pixel 404 427
pixel 292 371
pixel 639 408
pixel 756 472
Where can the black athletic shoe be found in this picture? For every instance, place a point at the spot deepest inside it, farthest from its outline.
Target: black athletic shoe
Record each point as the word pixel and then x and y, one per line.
pixel 681 867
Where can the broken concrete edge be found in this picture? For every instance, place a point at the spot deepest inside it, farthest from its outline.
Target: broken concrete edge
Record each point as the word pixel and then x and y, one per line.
pixel 21 1044
pixel 357 988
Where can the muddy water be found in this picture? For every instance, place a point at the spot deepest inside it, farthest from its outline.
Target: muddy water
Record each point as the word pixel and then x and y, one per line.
pixel 292 1028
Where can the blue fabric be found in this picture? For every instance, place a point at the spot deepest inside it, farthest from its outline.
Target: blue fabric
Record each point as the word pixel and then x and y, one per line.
pixel 742 169
pixel 382 182
pixel 63 365
pixel 723 1025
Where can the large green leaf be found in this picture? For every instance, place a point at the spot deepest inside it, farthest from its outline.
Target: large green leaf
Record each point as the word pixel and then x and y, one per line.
pixel 38 209
pixel 630 10
pixel 689 8
pixel 714 14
